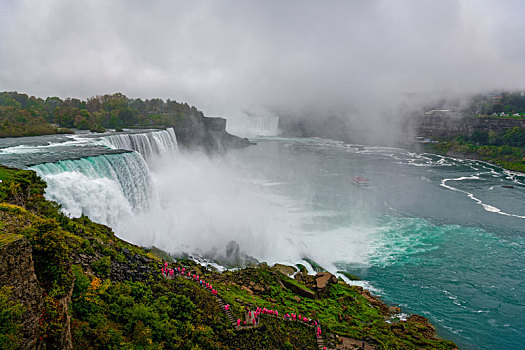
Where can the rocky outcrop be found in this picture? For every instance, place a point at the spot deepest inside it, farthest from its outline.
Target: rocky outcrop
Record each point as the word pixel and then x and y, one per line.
pixel 207 133
pixel 375 302
pixel 302 291
pixel 18 272
pixel 285 269
pixel 323 279
pixel 134 267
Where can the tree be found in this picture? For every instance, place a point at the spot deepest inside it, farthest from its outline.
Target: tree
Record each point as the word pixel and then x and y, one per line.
pixel 480 137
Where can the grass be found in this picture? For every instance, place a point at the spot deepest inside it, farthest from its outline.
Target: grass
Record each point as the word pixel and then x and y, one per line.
pixel 9 238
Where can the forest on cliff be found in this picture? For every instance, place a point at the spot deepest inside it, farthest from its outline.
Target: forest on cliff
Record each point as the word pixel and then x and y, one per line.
pixel 23 115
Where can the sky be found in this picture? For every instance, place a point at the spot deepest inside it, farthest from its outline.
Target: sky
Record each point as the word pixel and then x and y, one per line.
pixel 361 58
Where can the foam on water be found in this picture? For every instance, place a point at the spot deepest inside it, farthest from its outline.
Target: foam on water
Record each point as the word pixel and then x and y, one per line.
pixel 487 207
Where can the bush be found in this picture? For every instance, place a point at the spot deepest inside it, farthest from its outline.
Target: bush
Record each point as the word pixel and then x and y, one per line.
pixel 102 266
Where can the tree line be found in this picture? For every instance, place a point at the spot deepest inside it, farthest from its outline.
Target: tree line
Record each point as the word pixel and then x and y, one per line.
pixel 23 115
pixel 508 103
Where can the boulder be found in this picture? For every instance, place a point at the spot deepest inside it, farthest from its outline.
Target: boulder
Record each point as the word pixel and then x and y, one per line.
pixel 285 269
pixel 302 291
pixel 394 310
pixel 323 279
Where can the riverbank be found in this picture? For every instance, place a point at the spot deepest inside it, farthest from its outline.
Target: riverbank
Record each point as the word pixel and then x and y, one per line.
pixel 92 289
pixel 507 157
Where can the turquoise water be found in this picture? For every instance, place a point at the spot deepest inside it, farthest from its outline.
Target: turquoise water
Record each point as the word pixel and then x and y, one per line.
pixel 451 250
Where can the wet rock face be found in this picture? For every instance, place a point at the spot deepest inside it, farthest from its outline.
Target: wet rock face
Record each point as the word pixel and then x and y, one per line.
pixel 17 271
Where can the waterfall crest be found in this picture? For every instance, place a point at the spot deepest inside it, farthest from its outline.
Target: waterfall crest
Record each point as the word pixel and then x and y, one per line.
pixel 148 144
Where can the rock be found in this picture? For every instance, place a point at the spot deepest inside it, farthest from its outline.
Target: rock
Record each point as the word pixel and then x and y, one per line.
pixel 247 289
pixel 302 268
pixel 302 291
pixel 285 269
pixel 126 251
pixel 296 298
pixel 232 250
pixel 323 279
pixel 394 310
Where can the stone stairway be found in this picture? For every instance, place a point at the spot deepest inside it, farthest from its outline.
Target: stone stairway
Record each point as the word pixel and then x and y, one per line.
pixel 228 313
pixel 320 342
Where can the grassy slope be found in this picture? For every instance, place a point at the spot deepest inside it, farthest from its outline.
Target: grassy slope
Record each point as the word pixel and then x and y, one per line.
pixel 153 313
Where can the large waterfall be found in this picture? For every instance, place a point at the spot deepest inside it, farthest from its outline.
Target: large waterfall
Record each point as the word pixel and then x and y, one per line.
pixel 103 187
pixel 148 144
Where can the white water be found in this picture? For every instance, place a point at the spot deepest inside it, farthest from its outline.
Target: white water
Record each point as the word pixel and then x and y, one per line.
pixel 105 187
pixel 148 144
pixel 256 123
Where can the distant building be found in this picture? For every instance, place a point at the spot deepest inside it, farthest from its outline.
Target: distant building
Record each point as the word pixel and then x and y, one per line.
pixel 437 111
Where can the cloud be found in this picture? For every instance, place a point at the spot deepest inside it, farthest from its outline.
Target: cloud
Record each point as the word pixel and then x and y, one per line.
pixel 360 57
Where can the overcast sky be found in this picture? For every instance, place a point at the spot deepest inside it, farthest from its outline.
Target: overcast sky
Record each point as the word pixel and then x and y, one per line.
pixel 223 56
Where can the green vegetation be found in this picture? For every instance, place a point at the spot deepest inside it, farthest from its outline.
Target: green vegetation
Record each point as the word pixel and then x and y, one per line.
pixel 506 149
pixel 23 115
pixel 9 238
pixel 120 301
pixel 344 310
pixel 10 313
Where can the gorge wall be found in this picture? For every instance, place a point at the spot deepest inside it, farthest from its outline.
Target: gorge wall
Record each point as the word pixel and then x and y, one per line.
pixel 448 126
pixel 18 272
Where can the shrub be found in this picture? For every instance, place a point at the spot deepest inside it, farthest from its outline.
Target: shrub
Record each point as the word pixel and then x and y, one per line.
pixel 102 266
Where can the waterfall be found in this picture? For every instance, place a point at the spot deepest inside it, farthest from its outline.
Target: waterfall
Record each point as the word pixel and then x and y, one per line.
pixel 253 125
pixel 148 144
pixel 103 187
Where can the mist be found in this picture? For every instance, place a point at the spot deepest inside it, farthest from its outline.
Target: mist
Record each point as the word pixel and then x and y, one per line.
pixel 204 203
pixel 370 62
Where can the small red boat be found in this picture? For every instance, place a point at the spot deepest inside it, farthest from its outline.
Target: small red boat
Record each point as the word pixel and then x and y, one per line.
pixel 361 181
